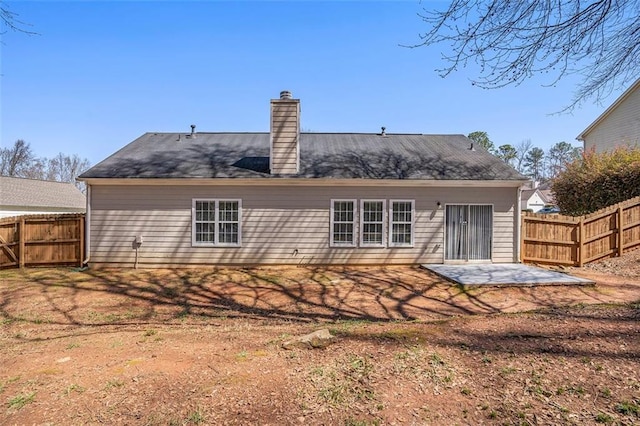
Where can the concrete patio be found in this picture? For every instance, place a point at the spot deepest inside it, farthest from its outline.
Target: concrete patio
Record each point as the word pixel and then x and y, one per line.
pixel 503 274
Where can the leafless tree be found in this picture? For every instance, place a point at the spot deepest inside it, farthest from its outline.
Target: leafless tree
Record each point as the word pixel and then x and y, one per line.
pixel 19 161
pixel 510 41
pixel 522 149
pixel 65 168
pixel 16 160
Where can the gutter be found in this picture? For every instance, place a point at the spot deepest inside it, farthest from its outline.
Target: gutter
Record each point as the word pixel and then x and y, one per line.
pixel 429 183
pixel 87 230
pixel 518 225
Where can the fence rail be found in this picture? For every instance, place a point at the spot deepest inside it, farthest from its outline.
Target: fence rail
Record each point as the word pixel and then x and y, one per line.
pixel 575 241
pixel 42 240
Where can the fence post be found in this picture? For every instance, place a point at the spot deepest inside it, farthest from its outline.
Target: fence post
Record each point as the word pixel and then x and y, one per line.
pixel 620 225
pixel 581 242
pixel 21 245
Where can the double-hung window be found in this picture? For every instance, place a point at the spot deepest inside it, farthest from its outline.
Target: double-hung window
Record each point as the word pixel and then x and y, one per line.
pixel 343 223
pixel 401 219
pixel 372 223
pixel 216 222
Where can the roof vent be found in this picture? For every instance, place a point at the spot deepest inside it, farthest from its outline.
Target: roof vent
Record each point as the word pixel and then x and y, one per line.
pixel 383 132
pixel 285 94
pixel 193 130
pixel 471 148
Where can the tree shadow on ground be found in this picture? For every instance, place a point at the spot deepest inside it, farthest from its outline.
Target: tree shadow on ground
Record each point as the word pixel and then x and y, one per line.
pixel 311 295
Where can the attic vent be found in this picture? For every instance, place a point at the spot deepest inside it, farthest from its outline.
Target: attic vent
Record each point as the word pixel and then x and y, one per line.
pixel 383 132
pixel 285 94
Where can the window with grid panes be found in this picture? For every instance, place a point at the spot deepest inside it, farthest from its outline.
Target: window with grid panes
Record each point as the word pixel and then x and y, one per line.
pixel 401 214
pixel 372 222
pixel 343 216
pixel 216 222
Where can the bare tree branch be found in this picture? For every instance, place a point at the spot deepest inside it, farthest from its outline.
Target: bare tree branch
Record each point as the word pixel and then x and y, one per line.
pixel 9 21
pixel 511 41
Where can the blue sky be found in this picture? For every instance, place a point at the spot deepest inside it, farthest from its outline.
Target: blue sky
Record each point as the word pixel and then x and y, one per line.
pixel 100 74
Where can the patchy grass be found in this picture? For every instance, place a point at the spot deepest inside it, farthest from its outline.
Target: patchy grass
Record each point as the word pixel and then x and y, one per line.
pixel 629 408
pixel 19 401
pixel 73 388
pixel 345 382
pixel 205 347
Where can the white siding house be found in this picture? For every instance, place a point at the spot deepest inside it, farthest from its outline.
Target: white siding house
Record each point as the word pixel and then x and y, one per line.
pixel 618 125
pixel 532 199
pixel 286 197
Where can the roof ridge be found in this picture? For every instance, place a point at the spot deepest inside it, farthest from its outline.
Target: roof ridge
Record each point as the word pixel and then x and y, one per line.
pixel 307 133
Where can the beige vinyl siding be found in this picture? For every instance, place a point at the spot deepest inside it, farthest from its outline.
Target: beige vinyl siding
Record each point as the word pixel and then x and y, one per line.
pixel 620 127
pixel 280 225
pixel 285 131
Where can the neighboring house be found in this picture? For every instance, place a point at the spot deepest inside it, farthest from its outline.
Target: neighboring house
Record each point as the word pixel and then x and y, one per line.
pixel 286 197
pixel 535 196
pixel 619 125
pixel 20 196
pixel 532 199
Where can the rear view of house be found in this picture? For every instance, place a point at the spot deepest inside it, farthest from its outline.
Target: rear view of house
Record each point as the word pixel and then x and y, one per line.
pixel 289 197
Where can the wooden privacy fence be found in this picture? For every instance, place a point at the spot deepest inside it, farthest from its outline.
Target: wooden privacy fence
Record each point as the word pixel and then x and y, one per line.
pixel 568 240
pixel 42 240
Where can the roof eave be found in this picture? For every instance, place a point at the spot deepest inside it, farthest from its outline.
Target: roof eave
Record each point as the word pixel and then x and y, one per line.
pixel 305 182
pixel 609 110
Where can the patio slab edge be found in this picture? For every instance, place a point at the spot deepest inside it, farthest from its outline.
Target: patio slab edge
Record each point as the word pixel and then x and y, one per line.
pixel 504 275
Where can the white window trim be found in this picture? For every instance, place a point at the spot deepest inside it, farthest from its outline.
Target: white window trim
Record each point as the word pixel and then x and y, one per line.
pixel 353 243
pixel 216 242
pixel 413 223
pixel 383 223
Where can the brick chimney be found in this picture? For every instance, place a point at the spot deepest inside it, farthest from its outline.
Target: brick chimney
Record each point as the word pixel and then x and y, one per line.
pixel 285 135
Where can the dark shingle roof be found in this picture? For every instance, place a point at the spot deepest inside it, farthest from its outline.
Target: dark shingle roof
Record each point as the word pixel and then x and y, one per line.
pixel 19 192
pixel 322 155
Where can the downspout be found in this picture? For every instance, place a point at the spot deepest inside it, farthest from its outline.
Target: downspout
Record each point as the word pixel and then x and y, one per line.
pixel 87 229
pixel 518 216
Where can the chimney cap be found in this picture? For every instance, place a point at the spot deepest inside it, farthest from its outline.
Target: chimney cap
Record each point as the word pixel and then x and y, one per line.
pixel 285 94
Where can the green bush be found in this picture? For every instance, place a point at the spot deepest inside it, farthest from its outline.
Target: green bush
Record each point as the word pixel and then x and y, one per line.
pixel 598 180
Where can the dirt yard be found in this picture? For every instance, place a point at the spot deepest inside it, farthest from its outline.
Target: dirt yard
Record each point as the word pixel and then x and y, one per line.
pixel 181 347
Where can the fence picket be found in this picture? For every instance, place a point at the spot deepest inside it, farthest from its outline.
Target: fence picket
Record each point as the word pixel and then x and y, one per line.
pixel 566 240
pixel 42 240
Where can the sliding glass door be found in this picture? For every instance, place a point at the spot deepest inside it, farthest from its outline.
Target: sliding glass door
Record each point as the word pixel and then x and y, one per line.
pixel 468 232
